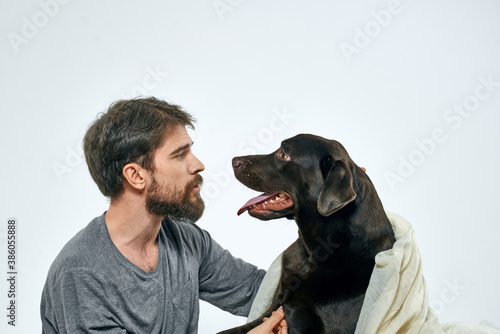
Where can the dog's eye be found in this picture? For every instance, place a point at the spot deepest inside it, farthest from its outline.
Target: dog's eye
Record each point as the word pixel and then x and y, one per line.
pixel 282 155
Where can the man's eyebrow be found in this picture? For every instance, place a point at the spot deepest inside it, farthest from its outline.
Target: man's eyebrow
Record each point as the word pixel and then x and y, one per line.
pixel 181 148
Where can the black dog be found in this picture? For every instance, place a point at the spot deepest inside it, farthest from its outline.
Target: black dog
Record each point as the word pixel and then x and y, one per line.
pixel 342 226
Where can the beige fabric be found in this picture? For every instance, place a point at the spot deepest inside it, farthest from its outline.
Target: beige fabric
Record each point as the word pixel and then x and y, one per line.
pixel 396 300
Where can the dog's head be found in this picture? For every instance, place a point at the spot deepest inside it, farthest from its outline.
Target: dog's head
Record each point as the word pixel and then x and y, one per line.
pixel 306 171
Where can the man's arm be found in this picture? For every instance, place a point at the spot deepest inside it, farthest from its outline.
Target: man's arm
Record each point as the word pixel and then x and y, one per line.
pixel 225 281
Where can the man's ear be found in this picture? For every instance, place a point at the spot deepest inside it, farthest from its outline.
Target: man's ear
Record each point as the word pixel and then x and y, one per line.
pixel 337 190
pixel 135 175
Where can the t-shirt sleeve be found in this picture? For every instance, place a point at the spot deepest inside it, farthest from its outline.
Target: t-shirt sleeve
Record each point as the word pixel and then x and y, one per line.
pixel 225 281
pixel 77 303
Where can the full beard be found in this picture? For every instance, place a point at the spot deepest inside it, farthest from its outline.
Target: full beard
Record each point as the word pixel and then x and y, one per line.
pixel 176 204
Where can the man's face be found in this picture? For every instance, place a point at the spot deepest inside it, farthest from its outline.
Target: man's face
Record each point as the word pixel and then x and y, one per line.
pixel 174 191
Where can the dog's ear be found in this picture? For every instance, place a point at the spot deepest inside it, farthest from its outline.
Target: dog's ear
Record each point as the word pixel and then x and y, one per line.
pixel 337 190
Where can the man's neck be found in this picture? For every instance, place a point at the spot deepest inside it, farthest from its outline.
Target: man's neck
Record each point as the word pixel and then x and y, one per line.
pixel 134 231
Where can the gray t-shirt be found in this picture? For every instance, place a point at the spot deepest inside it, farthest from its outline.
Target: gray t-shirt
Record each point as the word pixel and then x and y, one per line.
pixel 92 288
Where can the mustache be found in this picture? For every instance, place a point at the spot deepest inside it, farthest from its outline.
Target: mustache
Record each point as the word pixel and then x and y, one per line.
pixel 197 181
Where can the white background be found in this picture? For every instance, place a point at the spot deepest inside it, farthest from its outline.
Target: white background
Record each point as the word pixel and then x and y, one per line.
pixel 236 65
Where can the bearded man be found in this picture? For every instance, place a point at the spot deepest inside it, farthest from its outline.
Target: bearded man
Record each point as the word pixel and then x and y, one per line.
pixel 143 265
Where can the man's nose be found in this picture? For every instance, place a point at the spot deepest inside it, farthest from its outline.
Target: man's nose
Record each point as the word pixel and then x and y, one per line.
pixel 197 166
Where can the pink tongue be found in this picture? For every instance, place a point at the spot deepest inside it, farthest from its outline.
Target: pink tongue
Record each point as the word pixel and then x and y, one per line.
pixel 256 200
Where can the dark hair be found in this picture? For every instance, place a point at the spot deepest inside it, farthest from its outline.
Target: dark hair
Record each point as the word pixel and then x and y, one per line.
pixel 130 131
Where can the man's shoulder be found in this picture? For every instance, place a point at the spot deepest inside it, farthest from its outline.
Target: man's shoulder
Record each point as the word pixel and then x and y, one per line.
pixel 83 251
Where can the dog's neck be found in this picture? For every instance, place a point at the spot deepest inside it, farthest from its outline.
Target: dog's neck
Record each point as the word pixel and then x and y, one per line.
pixel 351 228
pixel 369 215
pixel 320 235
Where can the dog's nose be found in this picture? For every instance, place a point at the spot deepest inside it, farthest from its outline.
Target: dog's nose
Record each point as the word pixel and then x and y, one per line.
pixel 237 162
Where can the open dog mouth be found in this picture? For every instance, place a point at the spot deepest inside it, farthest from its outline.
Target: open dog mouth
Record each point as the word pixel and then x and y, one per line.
pixel 270 201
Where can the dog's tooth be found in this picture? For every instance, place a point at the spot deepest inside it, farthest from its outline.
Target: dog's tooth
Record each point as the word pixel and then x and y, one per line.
pixel 277 198
pixel 281 195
